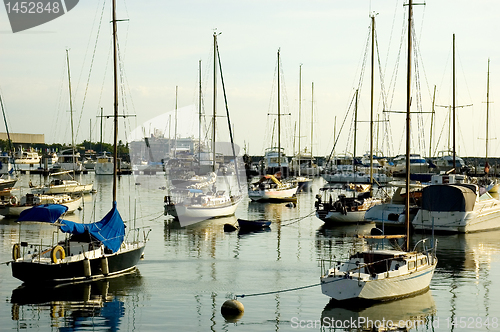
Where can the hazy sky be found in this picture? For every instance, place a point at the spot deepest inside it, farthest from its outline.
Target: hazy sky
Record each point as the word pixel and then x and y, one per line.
pixel 162 42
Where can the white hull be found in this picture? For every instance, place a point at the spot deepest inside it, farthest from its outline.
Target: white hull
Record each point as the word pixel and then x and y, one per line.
pixel 385 214
pixel 63 189
pixel 350 217
pixel 10 210
pixel 272 194
pixel 484 217
pixel 388 287
pixel 191 214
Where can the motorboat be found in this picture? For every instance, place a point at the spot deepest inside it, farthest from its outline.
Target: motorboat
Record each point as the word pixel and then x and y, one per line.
pixel 450 204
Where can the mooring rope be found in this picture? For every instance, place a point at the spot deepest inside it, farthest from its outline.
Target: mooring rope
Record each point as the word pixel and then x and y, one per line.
pixel 276 292
pixel 299 219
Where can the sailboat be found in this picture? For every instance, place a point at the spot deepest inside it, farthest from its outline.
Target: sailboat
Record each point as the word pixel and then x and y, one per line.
pixel 91 251
pixel 384 274
pixel 200 205
pixel 351 209
pixel 304 161
pixel 272 187
pixel 67 163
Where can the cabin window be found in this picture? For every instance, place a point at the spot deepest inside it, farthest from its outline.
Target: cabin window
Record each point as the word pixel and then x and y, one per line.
pixel 411 265
pixel 424 260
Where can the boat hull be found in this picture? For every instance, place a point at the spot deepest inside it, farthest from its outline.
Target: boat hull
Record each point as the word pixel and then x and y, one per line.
pixel 481 219
pixel 15 210
pixel 33 271
pixel 191 214
pixel 272 195
pixel 341 288
pixel 52 190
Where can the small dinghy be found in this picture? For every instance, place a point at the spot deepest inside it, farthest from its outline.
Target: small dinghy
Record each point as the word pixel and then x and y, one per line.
pixel 249 225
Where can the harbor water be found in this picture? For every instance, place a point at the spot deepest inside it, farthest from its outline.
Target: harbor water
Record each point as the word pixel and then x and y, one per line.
pixel 188 273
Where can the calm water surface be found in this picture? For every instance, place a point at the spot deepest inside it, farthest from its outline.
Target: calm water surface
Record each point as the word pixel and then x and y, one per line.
pixel 188 273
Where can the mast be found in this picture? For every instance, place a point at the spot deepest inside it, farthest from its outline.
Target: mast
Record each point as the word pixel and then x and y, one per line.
pixel 312 118
pixel 100 138
pixel 115 104
pixel 371 102
pixel 7 130
pixel 279 117
pixel 355 133
pixel 454 150
pixel 71 112
pixel 408 104
pixel 199 114
pixel 487 109
pixel 175 125
pixel 214 102
pixel 432 120
pixel 300 108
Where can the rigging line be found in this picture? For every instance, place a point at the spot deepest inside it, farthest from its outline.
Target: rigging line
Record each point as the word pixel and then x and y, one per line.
pixel 276 292
pixel 91 66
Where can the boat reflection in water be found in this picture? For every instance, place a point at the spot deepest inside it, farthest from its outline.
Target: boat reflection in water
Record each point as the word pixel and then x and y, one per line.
pixel 399 315
pixel 75 306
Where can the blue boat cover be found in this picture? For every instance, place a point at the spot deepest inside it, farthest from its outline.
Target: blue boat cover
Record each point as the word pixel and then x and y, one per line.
pixel 110 230
pixel 43 213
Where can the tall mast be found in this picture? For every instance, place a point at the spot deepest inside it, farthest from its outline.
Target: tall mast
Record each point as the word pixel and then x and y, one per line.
pixel 71 112
pixel 487 109
pixel 115 106
pixel 432 120
pixel 355 133
pixel 312 118
pixel 371 101
pixel 408 104
pixel 279 117
pixel 9 141
pixel 175 125
pixel 300 109
pixel 199 114
pixel 214 102
pixel 454 150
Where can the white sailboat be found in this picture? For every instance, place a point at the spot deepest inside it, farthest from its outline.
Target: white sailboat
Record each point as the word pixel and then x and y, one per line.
pixel 271 187
pixel 384 274
pixel 200 205
pixel 343 209
pixel 62 186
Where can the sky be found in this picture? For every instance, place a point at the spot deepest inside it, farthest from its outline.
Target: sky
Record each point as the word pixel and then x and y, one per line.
pixel 162 42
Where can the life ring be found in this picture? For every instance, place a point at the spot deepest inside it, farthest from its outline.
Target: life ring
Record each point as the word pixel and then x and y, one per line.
pixel 16 251
pixel 57 250
pixel 13 200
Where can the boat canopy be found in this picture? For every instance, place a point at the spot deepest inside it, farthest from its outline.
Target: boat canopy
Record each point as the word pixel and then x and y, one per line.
pixel 449 197
pixel 110 230
pixel 43 213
